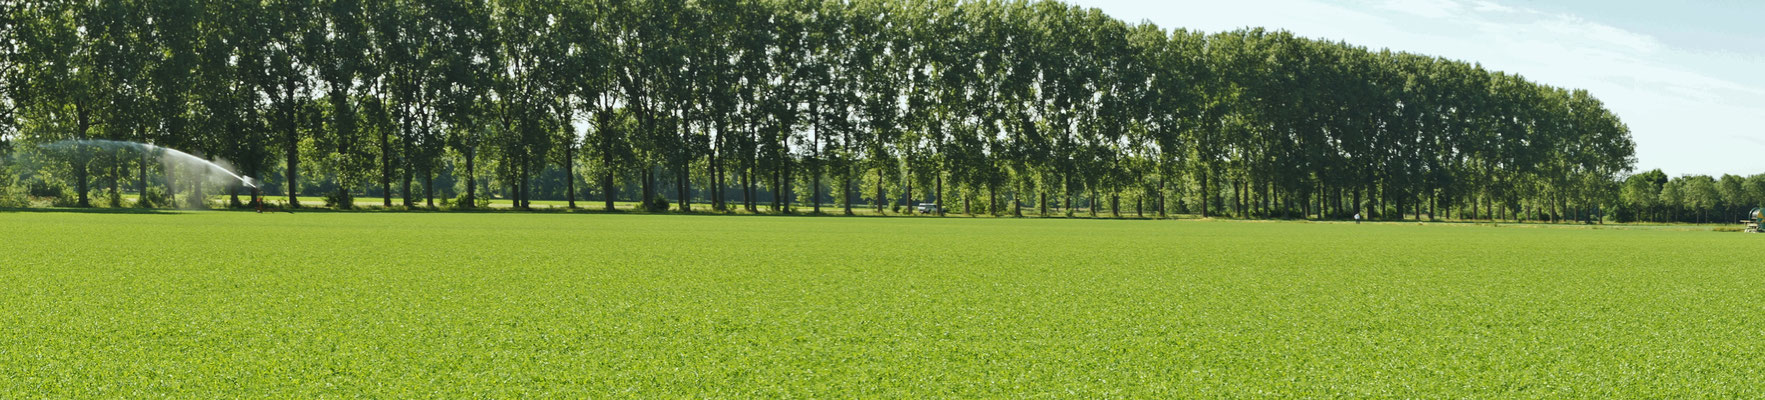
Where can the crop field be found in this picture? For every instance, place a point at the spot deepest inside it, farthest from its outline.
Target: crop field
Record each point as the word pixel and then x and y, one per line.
pixel 514 305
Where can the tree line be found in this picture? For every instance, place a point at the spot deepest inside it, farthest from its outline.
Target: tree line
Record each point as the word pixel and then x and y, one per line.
pixel 1653 197
pixel 998 107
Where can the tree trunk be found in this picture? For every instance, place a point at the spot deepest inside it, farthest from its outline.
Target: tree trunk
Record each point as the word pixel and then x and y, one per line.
pixel 1398 200
pixel 815 157
pixel 1067 205
pixel 471 179
pixel 1238 206
pixel 648 184
pixel 291 135
pixel 1162 213
pixel 385 167
pixel 429 187
pixel 1044 194
pixel 81 175
pixel 683 185
pixel 1205 194
pixel 1017 200
pixel 526 184
pixel 171 185
pixel 1357 202
pixel 967 200
pixel 1433 203
pixel 790 194
pixel 116 177
pixel 1092 202
pixel 1265 200
pixel 715 186
pixel 938 196
pixel 83 122
pixel 993 199
pixel 908 199
pixel 570 174
pixel 141 192
pixel 405 157
pixel 683 177
pixel 1474 208
pixel 197 199
pixel 878 203
pixel 716 169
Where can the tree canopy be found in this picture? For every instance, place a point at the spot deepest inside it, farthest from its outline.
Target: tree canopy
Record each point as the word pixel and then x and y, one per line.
pixel 976 106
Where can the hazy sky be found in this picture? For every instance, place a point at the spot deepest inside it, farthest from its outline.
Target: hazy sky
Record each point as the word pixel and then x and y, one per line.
pixel 1688 77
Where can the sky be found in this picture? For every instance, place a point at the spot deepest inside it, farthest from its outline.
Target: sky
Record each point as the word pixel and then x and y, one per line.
pixel 1687 77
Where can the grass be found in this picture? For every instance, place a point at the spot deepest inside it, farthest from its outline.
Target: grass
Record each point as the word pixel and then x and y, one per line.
pixel 232 304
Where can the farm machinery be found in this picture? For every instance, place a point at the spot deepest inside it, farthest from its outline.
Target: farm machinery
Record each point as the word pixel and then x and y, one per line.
pixel 1754 219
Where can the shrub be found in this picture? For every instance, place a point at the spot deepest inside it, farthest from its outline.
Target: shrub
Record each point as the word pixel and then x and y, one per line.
pixel 196 201
pixel 154 197
pixel 465 200
pixel 340 199
pixel 46 189
pixel 13 197
pixel 656 204
pixel 66 199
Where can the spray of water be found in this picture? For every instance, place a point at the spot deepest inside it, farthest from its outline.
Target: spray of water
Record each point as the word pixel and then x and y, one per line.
pixel 169 156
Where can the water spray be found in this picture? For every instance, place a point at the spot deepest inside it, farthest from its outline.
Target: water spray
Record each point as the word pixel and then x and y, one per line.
pixel 169 155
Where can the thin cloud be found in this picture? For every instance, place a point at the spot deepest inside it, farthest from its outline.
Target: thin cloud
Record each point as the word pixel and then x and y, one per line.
pixel 1573 26
pixel 1491 7
pixel 1425 8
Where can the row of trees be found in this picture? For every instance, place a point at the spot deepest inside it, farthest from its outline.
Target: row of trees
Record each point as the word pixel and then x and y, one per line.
pixel 1652 196
pixel 983 106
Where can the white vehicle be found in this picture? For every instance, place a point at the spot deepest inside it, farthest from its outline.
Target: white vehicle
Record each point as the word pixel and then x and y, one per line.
pixel 927 208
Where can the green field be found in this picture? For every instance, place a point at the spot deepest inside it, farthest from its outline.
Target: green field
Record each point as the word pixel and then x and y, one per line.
pixel 512 305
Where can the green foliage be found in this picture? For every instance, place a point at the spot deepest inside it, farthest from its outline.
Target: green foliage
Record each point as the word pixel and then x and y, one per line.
pixel 396 305
pixel 12 195
pixel 467 200
pixel 1042 98
pixel 156 196
pixel 1692 198
pixel 657 203
pixel 340 199
pixel 45 188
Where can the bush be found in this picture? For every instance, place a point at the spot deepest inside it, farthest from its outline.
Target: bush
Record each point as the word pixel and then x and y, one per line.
pixel 56 193
pixel 195 201
pixel 341 200
pixel 14 197
pixel 113 201
pixel 656 204
pixel 45 189
pixel 1625 215
pixel 67 199
pixel 465 200
pixel 154 197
